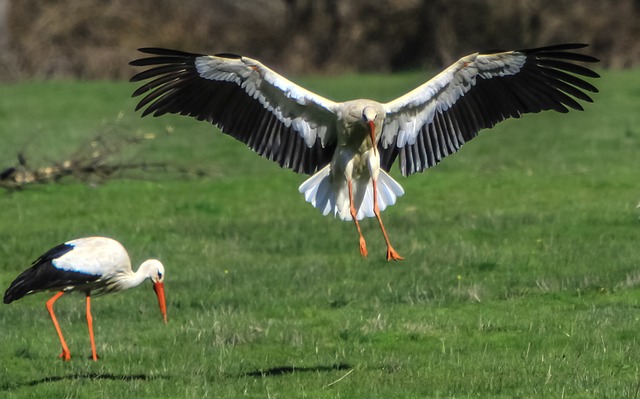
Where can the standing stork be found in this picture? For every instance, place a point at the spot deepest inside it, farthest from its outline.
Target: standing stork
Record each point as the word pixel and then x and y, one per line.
pixel 93 265
pixel 349 147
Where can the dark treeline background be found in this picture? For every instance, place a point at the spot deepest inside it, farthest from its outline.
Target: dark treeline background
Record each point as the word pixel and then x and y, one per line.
pixel 95 39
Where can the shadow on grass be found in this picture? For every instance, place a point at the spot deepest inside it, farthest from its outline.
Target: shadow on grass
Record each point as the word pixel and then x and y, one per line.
pixel 282 370
pixel 87 376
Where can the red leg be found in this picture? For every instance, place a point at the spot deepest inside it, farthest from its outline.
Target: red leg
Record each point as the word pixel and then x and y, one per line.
pixel 94 355
pixel 65 355
pixel 391 253
pixel 352 210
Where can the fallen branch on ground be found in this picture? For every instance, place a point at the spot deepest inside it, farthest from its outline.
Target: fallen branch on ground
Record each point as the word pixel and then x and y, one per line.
pixel 95 161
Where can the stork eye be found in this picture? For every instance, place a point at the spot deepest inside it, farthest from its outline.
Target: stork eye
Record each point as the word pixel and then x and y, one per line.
pixel 159 275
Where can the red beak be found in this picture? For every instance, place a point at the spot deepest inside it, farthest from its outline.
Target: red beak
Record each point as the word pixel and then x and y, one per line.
pixel 158 287
pixel 372 131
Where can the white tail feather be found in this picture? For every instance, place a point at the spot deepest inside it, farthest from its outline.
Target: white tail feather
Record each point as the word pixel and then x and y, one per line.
pixel 388 190
pixel 317 190
pixel 320 192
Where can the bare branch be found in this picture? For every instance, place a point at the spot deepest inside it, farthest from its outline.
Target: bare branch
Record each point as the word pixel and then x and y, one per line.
pixel 94 161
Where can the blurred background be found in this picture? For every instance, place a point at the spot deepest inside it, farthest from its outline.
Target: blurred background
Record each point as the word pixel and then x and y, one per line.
pixel 95 39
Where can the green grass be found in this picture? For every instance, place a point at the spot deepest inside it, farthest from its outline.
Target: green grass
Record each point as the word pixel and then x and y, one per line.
pixel 520 280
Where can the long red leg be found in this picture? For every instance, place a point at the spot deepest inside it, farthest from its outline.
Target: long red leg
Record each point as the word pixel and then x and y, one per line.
pixel 391 253
pixel 352 211
pixel 65 355
pixel 94 355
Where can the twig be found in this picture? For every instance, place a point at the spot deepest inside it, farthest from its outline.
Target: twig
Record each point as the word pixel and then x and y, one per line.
pixel 93 159
pixel 338 380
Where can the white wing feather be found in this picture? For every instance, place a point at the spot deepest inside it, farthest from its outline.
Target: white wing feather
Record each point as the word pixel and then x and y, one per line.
pixel 98 256
pixel 291 104
pixel 406 115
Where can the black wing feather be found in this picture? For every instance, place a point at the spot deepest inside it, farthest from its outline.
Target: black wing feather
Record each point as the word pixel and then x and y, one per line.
pixel 549 80
pixel 44 276
pixel 177 88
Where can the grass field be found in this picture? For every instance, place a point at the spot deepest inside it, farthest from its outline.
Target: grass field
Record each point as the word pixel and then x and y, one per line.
pixel 520 280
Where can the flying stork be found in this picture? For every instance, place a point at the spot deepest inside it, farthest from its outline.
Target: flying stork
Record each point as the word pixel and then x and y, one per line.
pixel 93 265
pixel 349 147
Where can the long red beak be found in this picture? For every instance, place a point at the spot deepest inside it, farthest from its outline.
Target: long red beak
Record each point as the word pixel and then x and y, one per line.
pixel 372 131
pixel 158 287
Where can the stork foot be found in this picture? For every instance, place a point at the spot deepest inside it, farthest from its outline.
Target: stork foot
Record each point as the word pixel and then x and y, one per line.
pixel 363 247
pixel 93 357
pixel 65 355
pixel 392 254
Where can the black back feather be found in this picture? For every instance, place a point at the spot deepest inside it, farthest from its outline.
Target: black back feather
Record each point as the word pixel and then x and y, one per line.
pixel 44 276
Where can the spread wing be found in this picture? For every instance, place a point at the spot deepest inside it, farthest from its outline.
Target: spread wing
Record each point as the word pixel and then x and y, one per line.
pixel 478 91
pixel 273 116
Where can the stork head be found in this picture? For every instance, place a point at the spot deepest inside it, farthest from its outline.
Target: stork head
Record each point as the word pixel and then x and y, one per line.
pixel 369 116
pixel 155 272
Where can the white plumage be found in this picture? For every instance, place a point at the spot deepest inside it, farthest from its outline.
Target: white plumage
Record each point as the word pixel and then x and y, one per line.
pixel 348 147
pixel 92 265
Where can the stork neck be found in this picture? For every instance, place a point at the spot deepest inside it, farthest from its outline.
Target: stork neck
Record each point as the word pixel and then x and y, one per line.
pixel 131 280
